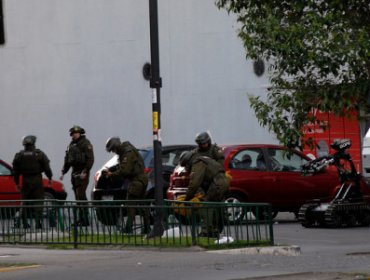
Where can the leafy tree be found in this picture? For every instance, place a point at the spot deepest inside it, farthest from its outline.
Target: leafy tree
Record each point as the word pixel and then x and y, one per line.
pixel 319 55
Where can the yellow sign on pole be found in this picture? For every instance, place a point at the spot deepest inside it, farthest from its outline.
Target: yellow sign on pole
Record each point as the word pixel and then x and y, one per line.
pixel 155 121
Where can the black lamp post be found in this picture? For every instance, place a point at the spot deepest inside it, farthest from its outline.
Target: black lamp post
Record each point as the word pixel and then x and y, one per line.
pixel 156 84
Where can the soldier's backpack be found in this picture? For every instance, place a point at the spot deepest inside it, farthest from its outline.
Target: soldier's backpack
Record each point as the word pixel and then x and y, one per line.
pixel 30 162
pixel 139 164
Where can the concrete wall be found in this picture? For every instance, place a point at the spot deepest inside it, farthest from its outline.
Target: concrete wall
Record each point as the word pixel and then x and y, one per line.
pixel 80 62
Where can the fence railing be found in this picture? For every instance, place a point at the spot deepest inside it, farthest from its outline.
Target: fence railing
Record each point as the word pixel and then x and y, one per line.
pixel 211 225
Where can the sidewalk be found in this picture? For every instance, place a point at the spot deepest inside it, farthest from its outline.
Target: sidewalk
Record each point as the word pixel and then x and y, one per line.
pixel 314 276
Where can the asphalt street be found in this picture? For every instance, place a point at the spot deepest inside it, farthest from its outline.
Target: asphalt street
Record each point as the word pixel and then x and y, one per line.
pixel 324 254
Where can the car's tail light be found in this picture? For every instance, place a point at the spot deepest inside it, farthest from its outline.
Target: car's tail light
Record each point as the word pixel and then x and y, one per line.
pixel 147 170
pixel 171 181
pixel 180 181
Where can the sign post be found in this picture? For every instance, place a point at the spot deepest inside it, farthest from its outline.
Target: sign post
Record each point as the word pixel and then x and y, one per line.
pixel 156 84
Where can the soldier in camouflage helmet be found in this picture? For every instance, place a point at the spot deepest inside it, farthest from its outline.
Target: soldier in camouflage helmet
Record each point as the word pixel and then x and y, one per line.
pixel 80 157
pixel 206 148
pixel 131 168
pixel 207 176
pixel 30 163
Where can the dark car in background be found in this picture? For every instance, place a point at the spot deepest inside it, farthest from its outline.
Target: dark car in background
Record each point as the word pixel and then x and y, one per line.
pixel 9 195
pixel 113 188
pixel 267 174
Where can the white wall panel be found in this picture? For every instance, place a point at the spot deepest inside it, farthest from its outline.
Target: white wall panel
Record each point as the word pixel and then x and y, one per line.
pixel 80 61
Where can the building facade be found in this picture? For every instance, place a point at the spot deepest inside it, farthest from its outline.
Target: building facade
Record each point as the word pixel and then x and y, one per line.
pixel 81 62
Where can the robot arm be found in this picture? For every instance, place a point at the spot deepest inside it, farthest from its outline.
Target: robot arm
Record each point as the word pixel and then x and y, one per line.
pixel 316 165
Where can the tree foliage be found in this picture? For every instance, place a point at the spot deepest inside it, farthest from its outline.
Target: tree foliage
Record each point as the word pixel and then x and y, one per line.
pixel 319 55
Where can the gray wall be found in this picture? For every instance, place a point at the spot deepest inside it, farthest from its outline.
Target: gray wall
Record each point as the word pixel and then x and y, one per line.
pixel 80 62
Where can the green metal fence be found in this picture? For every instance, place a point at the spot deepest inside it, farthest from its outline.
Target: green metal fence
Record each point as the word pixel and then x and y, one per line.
pixel 59 222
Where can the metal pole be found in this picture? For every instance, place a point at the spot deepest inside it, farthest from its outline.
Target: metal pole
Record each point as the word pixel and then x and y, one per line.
pixel 156 84
pixel 2 33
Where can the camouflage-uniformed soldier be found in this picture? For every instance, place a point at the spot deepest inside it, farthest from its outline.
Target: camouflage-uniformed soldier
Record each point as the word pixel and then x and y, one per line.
pixel 79 156
pixel 206 148
pixel 206 176
pixel 131 168
pixel 31 163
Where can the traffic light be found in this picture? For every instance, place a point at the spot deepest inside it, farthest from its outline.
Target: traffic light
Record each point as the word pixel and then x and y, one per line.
pixel 2 36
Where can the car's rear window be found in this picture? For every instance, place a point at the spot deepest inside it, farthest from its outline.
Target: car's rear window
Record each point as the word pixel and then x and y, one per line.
pixel 4 170
pixel 144 153
pixel 170 158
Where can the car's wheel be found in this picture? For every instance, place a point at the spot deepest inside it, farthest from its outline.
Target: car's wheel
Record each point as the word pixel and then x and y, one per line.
pixel 262 214
pixel 49 210
pixel 234 214
pixel 108 216
pixel 48 195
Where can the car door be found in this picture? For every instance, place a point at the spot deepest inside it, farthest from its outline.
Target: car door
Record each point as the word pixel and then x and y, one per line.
pixel 290 189
pixel 8 190
pixel 250 178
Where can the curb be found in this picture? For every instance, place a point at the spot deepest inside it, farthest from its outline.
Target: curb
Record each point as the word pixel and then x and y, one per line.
pixel 274 251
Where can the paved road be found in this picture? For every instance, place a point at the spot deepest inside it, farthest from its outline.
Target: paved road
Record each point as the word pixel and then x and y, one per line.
pixel 325 254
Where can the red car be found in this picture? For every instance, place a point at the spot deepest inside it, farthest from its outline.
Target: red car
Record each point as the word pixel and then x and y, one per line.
pixel 8 189
pixel 269 174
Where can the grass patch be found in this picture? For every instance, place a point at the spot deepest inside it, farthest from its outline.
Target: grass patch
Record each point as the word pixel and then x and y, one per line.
pixel 88 241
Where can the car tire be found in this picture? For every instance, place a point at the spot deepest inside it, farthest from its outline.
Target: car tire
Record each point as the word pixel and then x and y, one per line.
pixel 108 216
pixel 234 215
pixel 262 215
pixel 49 211
pixel 48 195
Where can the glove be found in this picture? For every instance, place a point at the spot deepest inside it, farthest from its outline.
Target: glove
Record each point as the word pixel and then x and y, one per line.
pixel 106 173
pixel 83 175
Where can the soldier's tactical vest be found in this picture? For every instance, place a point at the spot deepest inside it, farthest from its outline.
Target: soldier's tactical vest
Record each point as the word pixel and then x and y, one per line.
pixel 215 171
pixel 213 152
pixel 139 164
pixel 30 162
pixel 215 176
pixel 213 166
pixel 75 156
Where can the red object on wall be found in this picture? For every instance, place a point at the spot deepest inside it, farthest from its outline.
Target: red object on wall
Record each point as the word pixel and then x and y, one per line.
pixel 338 128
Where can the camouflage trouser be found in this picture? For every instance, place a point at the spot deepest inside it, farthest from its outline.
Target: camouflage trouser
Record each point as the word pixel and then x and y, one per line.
pixel 136 191
pixel 32 212
pixel 79 189
pixel 211 215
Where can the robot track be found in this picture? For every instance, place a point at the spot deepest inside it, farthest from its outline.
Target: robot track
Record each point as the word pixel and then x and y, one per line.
pixel 335 215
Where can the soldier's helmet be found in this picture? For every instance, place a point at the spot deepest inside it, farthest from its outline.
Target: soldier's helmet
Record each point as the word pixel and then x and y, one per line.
pixel 112 144
pixel 186 158
pixel 29 140
pixel 203 138
pixel 76 129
